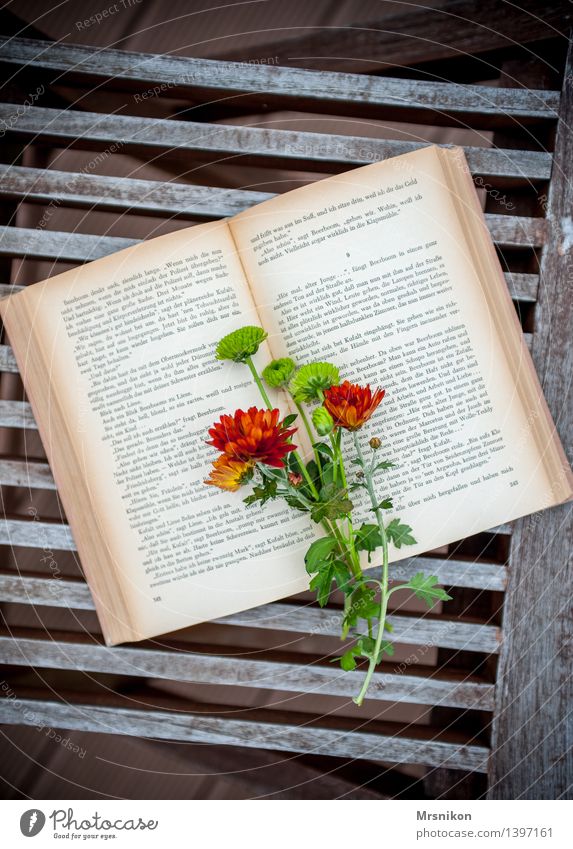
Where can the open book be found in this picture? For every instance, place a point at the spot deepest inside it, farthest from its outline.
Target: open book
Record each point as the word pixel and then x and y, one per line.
pixel 389 272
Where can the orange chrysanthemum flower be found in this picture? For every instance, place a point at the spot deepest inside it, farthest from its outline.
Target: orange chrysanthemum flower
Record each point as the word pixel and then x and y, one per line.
pixel 229 474
pixel 351 405
pixel 254 436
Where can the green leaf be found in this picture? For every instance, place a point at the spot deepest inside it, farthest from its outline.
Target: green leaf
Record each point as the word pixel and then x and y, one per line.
pixel 347 661
pixel 324 448
pixel 367 538
pixel 386 647
pixel 425 588
pixel 321 583
pixel 333 503
pixel 385 504
pixel 399 534
pixel 385 464
pixel 356 485
pixel 357 461
pixel 362 605
pixel 364 647
pixel 342 576
pixel 263 493
pixel 320 550
pixel 290 419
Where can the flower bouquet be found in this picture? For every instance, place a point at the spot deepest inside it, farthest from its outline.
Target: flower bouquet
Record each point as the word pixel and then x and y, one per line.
pixel 256 449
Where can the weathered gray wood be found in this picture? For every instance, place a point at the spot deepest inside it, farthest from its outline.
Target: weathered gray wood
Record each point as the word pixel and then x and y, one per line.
pixel 409 630
pixel 112 133
pixel 149 196
pixel 48 244
pixel 281 87
pixel 154 197
pixel 215 730
pixel 17 414
pixel 36 534
pixel 298 619
pixel 9 289
pixel 7 359
pixel 533 726
pixel 454 573
pixel 267 675
pixel 51 592
pixel 29 473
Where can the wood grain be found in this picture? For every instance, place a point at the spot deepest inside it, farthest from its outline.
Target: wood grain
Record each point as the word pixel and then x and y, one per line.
pixel 247 145
pixel 199 668
pixel 247 85
pixel 216 730
pixel 533 726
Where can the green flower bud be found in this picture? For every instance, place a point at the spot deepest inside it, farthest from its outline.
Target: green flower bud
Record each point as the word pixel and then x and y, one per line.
pixel 279 372
pixel 322 420
pixel 240 344
pixel 312 379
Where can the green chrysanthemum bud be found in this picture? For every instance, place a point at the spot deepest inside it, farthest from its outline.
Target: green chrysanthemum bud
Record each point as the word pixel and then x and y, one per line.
pixel 322 420
pixel 312 379
pixel 240 344
pixel 279 372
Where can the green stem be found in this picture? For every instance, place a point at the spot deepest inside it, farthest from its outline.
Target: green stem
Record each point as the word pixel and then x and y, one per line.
pixel 259 382
pixel 337 444
pixel 267 401
pixel 384 593
pixel 311 436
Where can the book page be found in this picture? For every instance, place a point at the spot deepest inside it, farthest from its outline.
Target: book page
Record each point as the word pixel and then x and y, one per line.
pixel 128 344
pixel 371 270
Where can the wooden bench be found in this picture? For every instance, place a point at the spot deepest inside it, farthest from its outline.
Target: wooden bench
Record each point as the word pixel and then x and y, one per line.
pixel 492 706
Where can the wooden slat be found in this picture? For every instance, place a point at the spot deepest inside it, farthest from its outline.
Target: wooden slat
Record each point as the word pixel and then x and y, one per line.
pixel 155 197
pixel 36 534
pixel 339 93
pixel 317 151
pixel 46 244
pixel 224 730
pixel 10 289
pixel 117 193
pixel 297 619
pixel 80 247
pixel 51 592
pixel 413 630
pixel 31 474
pixel 7 360
pixel 267 675
pixel 17 414
pixel 451 573
pixel 516 231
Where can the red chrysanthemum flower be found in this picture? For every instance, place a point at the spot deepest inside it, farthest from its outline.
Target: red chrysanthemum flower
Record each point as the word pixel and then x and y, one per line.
pixel 229 474
pixel 256 435
pixel 351 405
